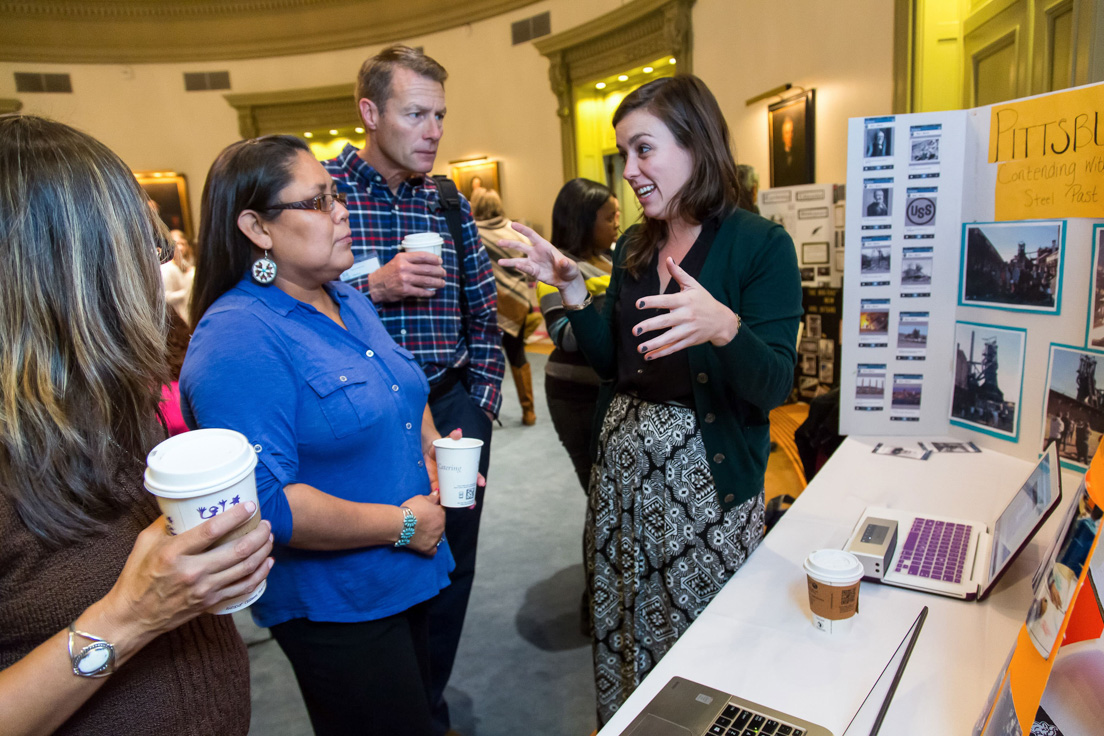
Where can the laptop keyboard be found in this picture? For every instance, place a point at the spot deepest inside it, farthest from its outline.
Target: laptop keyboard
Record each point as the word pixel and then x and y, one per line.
pixel 935 550
pixel 737 721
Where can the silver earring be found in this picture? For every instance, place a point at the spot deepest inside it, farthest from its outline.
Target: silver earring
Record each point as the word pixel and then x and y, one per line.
pixel 264 270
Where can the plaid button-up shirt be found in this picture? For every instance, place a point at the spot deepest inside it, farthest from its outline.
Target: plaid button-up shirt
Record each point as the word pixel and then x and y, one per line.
pixel 458 326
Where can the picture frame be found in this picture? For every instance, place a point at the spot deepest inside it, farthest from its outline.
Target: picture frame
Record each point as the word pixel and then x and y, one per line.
pixel 791 129
pixel 484 174
pixel 813 254
pixel 169 191
pixel 1075 394
pixel 1094 320
pixel 1010 266
pixel 986 376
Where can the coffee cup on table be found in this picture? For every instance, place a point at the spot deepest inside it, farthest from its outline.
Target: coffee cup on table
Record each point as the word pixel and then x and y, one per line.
pixel 423 243
pixel 833 579
pixel 458 470
pixel 199 475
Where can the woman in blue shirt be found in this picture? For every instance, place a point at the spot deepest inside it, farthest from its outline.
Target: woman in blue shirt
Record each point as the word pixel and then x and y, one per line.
pixel 300 364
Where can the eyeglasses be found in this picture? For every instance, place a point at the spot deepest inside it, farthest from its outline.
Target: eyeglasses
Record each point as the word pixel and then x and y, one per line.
pixel 322 203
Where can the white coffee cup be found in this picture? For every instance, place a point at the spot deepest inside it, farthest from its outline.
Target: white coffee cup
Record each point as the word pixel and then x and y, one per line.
pixel 458 470
pixel 200 474
pixel 423 243
pixel 833 579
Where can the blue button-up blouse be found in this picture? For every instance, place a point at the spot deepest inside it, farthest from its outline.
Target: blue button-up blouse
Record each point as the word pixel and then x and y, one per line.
pixel 340 410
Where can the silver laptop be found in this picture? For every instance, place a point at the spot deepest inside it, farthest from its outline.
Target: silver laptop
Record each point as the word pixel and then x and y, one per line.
pixel 955 557
pixel 686 708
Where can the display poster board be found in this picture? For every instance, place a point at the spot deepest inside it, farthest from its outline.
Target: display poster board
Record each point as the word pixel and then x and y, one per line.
pixel 1060 584
pixel 813 215
pixel 970 315
pixel 818 354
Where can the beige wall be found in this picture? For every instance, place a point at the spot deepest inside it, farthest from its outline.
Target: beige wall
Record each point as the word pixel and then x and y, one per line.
pixel 500 102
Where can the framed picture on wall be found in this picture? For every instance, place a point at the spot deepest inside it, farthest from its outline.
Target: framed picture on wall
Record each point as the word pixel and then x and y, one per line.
pixel 469 177
pixel 791 125
pixel 169 192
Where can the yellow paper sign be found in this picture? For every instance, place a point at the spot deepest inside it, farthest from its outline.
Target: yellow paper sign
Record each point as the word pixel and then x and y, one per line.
pixel 1049 153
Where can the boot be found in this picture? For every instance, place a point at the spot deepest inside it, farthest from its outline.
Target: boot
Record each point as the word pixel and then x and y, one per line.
pixel 523 379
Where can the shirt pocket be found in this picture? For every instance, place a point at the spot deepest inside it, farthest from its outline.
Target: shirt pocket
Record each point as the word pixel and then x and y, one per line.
pixel 347 398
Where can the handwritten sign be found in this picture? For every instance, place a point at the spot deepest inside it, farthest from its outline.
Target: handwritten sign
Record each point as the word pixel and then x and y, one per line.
pixel 1049 153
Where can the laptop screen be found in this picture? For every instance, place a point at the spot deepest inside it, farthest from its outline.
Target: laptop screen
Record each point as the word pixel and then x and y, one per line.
pixel 1025 513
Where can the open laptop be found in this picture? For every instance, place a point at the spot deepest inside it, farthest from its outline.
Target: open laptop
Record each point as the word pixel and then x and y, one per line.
pixel 955 557
pixel 686 708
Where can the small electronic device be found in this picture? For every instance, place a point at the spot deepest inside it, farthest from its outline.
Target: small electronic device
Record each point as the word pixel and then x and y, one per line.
pixel 874 545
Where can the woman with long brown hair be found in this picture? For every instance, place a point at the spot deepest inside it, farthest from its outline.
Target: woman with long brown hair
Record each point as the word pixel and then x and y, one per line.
pixel 102 623
pixel 695 345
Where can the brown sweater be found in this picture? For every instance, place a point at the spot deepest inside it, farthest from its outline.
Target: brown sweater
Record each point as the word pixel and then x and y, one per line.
pixel 193 680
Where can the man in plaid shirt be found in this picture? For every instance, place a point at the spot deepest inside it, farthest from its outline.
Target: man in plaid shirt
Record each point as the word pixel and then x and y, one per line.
pixel 443 310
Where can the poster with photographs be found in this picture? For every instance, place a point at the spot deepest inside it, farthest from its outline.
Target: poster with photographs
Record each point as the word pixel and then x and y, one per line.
pixel 878 143
pixel 916 271
pixel 989 701
pixel 1057 578
pixel 1074 413
pixel 1094 330
pixel 874 323
pixel 870 381
pixel 877 258
pixel 988 379
pixel 1013 265
pixel 877 203
pixel 1004 721
pixel 912 335
pixel 817 352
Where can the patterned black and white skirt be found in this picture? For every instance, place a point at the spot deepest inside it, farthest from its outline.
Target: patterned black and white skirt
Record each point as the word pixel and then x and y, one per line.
pixel 658 544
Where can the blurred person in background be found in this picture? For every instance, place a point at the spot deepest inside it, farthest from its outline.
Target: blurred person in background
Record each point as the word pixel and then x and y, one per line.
pixel 514 295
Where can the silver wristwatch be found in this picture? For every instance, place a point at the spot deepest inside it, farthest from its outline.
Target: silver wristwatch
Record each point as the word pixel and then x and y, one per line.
pixel 93 660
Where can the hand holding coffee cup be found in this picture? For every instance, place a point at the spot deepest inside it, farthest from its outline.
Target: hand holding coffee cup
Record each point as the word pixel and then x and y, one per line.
pixel 833 580
pixel 415 272
pixel 417 246
pixel 455 469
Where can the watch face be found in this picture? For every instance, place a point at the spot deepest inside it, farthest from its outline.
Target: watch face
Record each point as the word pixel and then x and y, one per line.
pixel 95 658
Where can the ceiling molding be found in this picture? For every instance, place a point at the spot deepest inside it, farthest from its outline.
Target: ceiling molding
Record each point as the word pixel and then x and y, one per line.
pixel 635 33
pixel 140 31
pixel 294 110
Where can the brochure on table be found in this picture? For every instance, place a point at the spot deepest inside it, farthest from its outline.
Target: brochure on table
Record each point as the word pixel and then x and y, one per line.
pixel 968 271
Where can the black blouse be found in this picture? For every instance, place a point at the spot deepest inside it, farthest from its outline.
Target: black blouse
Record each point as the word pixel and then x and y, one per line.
pixel 665 379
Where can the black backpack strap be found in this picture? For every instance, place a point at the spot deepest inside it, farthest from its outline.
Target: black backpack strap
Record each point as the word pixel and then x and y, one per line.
pixel 449 197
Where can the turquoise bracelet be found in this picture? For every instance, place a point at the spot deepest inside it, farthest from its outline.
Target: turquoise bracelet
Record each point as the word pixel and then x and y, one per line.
pixel 409 522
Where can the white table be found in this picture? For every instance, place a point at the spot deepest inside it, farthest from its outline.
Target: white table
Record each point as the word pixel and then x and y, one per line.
pixel 756 639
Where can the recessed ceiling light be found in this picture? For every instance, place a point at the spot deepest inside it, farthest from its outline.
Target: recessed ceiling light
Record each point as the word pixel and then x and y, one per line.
pixel 600 85
pixel 648 70
pixel 671 60
pixel 359 130
pixel 623 78
pixel 308 134
pixel 333 132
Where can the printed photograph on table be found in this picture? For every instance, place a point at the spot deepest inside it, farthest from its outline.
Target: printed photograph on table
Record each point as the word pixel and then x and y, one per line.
pixel 1013 265
pixel 1094 330
pixel 1074 413
pixel 988 379
pixel 870 386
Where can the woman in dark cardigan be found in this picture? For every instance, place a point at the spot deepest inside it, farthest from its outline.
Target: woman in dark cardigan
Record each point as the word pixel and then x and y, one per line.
pixel 695 346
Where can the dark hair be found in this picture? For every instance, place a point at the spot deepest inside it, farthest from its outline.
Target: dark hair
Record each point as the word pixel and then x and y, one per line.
pixel 82 326
pixel 247 175
pixel 374 78
pixel 691 113
pixel 574 215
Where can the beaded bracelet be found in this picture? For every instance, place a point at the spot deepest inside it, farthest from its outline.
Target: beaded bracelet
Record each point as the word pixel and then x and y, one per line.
pixel 409 522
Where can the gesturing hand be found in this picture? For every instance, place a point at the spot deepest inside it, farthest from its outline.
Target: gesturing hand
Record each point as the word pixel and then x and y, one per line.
pixel 407 274
pixel 694 317
pixel 543 261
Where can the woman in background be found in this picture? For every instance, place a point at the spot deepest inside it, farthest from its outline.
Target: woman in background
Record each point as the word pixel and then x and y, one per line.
pixel 300 363
pixel 585 223
pixel 85 557
pixel 514 295
pixel 177 275
pixel 695 345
